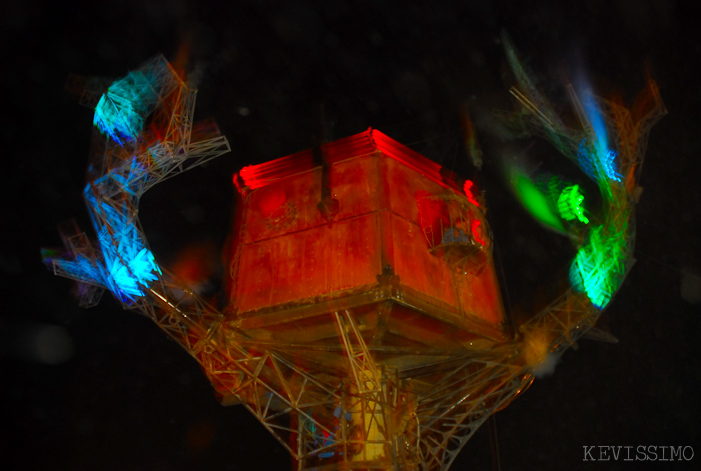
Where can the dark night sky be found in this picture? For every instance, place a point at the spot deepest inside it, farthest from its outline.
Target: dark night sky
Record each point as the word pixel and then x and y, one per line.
pixel 122 396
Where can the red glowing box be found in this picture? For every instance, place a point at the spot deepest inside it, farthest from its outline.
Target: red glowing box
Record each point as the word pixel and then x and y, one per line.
pixel 368 225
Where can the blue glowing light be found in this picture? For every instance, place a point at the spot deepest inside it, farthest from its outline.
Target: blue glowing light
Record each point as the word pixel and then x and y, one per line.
pixel 598 165
pixel 120 180
pixel 121 111
pixel 129 264
pixel 586 161
pixel 83 269
pixel 323 438
pixel 126 266
pixel 596 158
pixel 597 123
pixel 608 163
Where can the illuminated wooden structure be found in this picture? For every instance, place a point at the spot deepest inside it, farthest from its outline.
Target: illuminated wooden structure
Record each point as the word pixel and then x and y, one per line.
pixel 364 327
pixel 394 211
pixel 371 306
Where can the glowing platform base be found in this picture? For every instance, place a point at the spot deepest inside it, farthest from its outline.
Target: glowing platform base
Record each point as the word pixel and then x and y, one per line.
pixel 351 402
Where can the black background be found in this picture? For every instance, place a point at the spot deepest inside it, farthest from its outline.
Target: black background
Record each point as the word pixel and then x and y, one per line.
pixel 116 394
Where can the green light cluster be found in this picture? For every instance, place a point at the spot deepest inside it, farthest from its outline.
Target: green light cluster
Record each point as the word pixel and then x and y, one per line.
pixel 535 202
pixel 570 204
pixel 599 266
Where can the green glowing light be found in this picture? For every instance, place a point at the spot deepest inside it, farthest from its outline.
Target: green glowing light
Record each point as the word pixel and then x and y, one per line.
pixel 599 266
pixel 535 202
pixel 570 204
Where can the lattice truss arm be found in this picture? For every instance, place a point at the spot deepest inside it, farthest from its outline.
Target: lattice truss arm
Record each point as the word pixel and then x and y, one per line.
pixel 317 401
pixel 632 127
pixel 609 147
pixel 144 133
pixel 272 385
pixel 335 401
pixel 455 399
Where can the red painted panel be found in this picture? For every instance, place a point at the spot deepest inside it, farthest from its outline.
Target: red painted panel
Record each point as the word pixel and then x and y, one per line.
pixel 289 253
pixel 353 183
pixel 480 295
pixel 305 264
pixel 417 267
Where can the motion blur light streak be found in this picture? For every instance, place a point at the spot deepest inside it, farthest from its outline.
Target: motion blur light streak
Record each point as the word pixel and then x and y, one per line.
pixel 596 121
pixel 535 201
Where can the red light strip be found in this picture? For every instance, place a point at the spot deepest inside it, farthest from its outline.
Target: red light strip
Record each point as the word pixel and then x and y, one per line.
pixel 372 140
pixel 468 192
pixel 475 231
